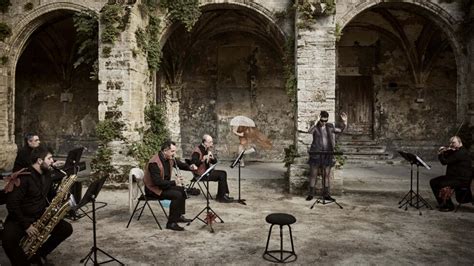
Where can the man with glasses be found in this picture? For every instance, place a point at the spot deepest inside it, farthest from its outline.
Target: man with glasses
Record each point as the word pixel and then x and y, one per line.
pixel 321 159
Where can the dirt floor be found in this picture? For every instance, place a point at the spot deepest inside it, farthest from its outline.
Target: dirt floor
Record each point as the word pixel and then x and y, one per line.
pixel 370 230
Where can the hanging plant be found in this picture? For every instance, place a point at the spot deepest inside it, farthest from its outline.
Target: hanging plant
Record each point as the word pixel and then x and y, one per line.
pixel 184 11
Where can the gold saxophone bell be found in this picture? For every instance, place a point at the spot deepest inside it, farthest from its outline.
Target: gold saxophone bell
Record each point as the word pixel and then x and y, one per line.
pixel 59 207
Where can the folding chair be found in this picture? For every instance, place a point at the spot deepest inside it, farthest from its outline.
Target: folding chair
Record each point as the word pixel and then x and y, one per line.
pixel 463 194
pixel 136 176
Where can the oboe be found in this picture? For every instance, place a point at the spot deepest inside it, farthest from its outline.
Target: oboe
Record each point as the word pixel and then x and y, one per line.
pixel 178 175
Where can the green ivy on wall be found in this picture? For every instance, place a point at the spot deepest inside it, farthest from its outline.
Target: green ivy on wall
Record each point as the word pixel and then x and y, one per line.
pixel 107 130
pixel 87 41
pixel 149 43
pixel 185 11
pixel 5 31
pixel 153 136
pixel 110 17
pixel 289 67
pixel 310 10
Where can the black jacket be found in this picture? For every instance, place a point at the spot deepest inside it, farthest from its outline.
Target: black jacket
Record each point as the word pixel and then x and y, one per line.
pixel 459 164
pixel 27 202
pixel 23 158
pixel 166 182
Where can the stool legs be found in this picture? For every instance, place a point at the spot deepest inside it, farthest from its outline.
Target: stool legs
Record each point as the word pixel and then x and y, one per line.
pixel 267 255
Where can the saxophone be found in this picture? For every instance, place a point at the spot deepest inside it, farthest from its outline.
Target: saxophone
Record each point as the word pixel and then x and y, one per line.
pixel 59 207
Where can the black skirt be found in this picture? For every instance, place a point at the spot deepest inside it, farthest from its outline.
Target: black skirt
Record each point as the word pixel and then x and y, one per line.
pixel 321 160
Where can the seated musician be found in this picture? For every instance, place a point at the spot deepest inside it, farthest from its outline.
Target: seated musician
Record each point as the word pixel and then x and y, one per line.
pixel 202 157
pixel 458 170
pixel 26 204
pixel 22 160
pixel 158 183
pixel 321 159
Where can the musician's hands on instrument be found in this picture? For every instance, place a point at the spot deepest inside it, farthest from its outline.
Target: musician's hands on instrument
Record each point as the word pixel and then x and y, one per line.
pixel 193 167
pixel 32 231
pixel 59 164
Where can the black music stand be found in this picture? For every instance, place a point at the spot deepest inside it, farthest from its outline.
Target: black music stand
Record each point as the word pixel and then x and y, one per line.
pixel 90 196
pixel 234 163
pixel 208 209
pixel 411 195
pixel 321 199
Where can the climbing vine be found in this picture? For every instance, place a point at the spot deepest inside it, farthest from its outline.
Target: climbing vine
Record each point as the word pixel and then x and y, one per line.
pixel 185 11
pixel 310 10
pixel 149 43
pixel 153 136
pixel 5 31
pixel 107 130
pixel 289 65
pixel 87 29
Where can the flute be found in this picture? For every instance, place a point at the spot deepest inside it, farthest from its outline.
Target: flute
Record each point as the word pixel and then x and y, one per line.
pixel 179 176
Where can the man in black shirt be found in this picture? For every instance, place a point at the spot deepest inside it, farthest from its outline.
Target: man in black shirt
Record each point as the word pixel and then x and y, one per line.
pixel 22 159
pixel 202 157
pixel 458 170
pixel 158 183
pixel 26 203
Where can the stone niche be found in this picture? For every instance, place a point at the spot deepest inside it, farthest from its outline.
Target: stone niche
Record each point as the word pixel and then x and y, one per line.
pixel 52 97
pixel 228 74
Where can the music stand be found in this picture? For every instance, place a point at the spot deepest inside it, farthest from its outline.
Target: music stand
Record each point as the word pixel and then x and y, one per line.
pixel 407 200
pixel 90 196
pixel 208 209
pixel 321 199
pixel 234 163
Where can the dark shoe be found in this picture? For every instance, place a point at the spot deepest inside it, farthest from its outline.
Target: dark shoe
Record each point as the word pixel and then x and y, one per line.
pixel 224 200
pixel 174 226
pixel 328 197
pixel 309 197
pixel 446 209
pixel 229 198
pixel 182 219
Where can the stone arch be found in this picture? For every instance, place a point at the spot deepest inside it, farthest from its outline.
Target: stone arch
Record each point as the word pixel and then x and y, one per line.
pixel 23 34
pixel 30 23
pixel 441 18
pixel 253 32
pixel 210 4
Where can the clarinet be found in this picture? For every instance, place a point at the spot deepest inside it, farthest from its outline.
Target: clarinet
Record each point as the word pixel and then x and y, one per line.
pixel 178 173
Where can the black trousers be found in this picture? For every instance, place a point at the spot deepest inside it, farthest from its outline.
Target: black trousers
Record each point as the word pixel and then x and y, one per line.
pixel 178 202
pixel 440 182
pixel 14 232
pixel 221 178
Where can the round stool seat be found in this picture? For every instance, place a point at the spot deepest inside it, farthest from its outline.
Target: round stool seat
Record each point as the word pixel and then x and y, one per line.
pixel 280 219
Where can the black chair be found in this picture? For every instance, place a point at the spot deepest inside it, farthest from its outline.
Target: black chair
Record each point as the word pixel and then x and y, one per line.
pixel 280 219
pixel 463 194
pixel 137 176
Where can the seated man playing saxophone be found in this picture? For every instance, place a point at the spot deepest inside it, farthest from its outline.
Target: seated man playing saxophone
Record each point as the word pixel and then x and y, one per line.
pixel 26 203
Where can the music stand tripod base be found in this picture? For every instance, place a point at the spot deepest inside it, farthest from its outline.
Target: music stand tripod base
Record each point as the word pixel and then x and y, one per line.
pixel 324 202
pixel 209 211
pixel 413 198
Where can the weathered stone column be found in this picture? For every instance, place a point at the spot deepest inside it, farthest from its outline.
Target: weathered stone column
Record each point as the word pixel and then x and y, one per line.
pixel 316 75
pixel 124 74
pixel 7 139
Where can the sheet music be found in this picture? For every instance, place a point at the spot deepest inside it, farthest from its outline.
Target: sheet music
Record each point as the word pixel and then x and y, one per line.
pixel 422 162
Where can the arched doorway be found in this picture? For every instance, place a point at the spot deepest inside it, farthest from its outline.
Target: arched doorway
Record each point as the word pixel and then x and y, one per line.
pixel 230 64
pixel 55 87
pixel 397 78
